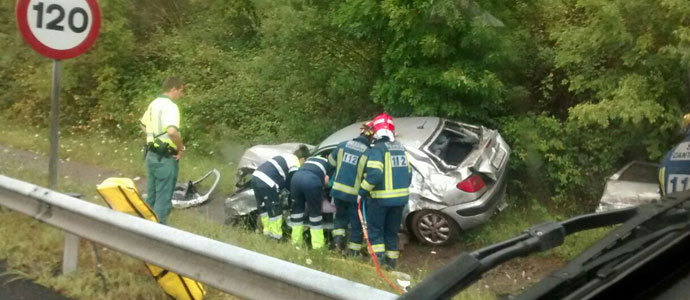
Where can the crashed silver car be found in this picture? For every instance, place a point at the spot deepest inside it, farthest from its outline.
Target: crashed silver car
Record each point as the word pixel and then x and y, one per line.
pixel 459 177
pixel 635 184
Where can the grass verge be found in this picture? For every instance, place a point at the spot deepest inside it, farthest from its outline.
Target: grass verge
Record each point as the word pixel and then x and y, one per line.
pixel 39 257
pixel 122 155
pixel 127 278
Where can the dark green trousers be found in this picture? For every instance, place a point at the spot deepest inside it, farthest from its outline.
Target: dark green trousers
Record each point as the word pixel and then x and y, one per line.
pixel 160 184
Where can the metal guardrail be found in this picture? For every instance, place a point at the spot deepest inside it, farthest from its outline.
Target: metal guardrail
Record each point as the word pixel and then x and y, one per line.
pixel 234 270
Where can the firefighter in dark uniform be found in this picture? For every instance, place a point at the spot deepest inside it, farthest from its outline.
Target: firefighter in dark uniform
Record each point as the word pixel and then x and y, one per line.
pixel 385 190
pixel 349 166
pixel 307 187
pixel 674 174
pixel 268 180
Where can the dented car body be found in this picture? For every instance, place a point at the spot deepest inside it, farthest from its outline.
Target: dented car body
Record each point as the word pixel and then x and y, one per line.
pixel 458 182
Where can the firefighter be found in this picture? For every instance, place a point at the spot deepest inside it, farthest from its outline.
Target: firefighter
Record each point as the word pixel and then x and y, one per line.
pixel 348 160
pixel 674 174
pixel 268 180
pixel 307 187
pixel 385 190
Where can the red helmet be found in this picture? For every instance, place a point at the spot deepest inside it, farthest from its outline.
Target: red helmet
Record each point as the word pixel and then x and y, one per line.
pixel 383 126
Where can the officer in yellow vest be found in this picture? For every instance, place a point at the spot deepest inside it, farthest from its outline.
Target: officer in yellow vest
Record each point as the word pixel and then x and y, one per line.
pixel 164 147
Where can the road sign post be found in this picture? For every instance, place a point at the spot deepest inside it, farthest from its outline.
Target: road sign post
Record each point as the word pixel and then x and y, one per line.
pixel 54 123
pixel 59 29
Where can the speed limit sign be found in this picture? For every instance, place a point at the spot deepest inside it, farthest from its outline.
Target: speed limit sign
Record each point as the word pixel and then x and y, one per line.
pixel 59 29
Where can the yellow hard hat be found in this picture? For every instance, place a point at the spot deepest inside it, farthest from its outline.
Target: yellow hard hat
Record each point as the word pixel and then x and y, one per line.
pixel 367 128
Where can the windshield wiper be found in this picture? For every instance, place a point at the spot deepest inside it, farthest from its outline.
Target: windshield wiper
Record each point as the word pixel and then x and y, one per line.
pixel 468 267
pixel 657 232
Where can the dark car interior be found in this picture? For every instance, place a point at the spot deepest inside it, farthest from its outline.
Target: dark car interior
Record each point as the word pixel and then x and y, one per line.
pixel 453 144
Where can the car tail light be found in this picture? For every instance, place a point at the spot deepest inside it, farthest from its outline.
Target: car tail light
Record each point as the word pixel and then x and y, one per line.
pixel 472 184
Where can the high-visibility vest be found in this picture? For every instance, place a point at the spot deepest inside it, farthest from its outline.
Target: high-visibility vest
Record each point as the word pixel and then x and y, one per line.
pixel 388 174
pixel 161 114
pixel 349 160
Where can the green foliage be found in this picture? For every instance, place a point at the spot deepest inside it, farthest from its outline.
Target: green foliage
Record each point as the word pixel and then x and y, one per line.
pixel 577 87
pixel 436 58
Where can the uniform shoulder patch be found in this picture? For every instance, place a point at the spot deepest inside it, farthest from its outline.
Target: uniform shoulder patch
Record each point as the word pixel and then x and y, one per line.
pixel 357 146
pixel 394 146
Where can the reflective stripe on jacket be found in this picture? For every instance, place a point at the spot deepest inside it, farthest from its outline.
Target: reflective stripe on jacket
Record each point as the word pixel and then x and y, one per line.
pixel 349 160
pixel 317 165
pixel 388 174
pixel 277 171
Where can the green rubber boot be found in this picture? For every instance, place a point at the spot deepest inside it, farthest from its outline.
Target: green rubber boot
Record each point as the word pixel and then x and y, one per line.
pixel 317 239
pixel 265 224
pixel 297 234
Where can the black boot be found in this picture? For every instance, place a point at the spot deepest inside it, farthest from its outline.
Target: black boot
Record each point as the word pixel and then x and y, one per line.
pixel 381 258
pixel 338 242
pixel 391 263
pixel 353 253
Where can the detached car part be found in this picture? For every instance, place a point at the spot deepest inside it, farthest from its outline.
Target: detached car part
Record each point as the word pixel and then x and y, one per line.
pixel 188 195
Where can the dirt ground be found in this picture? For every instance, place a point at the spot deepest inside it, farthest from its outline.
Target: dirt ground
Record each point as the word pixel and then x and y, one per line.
pixel 510 277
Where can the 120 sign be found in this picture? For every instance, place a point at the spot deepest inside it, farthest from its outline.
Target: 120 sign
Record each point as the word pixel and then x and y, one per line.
pixel 55 23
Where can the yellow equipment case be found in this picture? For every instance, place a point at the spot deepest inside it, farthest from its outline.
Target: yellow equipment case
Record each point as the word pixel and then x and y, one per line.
pixel 121 194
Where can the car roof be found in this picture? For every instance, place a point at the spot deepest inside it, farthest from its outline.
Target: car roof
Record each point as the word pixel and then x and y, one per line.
pixel 410 131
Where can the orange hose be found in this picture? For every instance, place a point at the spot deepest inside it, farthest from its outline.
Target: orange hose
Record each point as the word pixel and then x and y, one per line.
pixel 371 249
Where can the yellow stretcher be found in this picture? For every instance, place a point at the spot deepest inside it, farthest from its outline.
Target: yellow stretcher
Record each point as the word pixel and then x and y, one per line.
pixel 121 194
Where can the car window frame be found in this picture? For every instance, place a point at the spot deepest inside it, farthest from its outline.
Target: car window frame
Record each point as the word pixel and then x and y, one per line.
pixel 436 161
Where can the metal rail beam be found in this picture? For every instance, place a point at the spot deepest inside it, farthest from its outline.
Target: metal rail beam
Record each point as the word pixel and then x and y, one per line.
pixel 234 270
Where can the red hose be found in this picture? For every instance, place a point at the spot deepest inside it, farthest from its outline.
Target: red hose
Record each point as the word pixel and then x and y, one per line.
pixel 371 249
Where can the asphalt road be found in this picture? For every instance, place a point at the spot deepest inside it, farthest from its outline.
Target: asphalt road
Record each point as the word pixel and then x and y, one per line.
pixel 23 289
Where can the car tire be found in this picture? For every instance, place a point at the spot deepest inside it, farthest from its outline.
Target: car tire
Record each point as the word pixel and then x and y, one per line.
pixel 434 228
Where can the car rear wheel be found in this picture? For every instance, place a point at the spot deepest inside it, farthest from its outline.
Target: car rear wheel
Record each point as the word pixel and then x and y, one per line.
pixel 434 228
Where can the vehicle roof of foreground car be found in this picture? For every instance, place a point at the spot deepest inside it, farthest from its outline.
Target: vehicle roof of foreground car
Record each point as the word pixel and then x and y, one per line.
pixel 411 131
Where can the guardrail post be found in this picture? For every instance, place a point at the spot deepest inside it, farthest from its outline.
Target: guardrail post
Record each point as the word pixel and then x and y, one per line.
pixel 70 251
